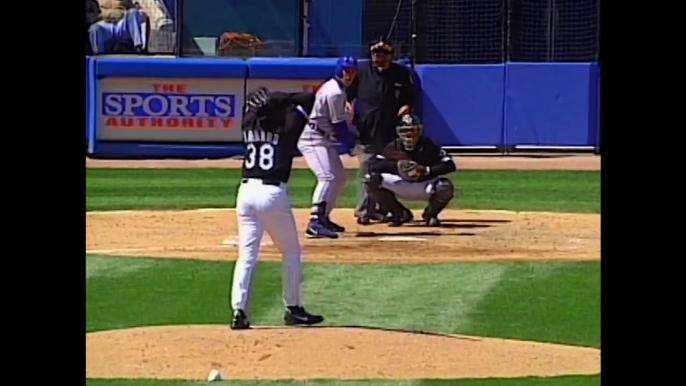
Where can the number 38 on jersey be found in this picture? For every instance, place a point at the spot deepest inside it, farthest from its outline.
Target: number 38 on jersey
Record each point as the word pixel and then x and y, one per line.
pixel 259 155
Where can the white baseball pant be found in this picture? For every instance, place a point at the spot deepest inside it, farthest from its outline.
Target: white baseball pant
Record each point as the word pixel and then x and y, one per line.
pixel 261 208
pixel 406 190
pixel 323 159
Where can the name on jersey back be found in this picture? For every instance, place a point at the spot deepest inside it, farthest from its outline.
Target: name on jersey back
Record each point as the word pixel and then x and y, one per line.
pixel 251 136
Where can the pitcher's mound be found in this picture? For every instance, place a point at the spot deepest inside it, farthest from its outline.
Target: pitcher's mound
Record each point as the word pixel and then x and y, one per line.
pixel 191 352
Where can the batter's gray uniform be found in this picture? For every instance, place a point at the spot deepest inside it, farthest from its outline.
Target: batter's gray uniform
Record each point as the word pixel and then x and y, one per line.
pixel 317 145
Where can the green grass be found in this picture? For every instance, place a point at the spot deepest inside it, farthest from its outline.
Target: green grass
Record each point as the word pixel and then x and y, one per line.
pixel 534 190
pixel 543 301
pixel 554 302
pixel 549 381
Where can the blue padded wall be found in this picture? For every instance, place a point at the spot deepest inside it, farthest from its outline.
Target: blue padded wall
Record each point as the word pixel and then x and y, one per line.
pixel 462 105
pixel 503 105
pixel 551 104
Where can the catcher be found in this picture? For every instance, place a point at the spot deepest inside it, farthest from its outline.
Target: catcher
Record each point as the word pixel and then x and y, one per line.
pixel 412 167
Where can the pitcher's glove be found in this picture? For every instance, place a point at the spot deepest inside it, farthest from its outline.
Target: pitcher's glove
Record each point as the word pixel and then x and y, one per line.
pixel 411 171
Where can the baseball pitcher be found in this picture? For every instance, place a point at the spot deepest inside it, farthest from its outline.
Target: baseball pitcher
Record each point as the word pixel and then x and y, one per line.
pixel 271 127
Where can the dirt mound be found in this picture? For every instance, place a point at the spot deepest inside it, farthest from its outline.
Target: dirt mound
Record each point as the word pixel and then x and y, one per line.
pixel 191 352
pixel 463 236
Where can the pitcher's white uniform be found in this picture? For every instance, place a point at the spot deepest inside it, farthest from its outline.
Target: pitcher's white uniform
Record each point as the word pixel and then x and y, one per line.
pixel 263 203
pixel 317 147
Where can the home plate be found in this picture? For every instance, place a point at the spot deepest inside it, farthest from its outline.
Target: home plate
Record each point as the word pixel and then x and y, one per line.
pixel 400 238
pixel 234 242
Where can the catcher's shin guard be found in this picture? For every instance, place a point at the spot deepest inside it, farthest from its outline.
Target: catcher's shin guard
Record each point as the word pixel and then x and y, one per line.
pixel 443 193
pixel 387 201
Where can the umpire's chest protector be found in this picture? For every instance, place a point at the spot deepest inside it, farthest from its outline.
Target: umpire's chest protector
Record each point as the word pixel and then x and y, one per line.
pixel 379 91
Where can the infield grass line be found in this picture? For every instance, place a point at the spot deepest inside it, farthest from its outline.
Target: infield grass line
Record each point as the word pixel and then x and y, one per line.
pixel 521 190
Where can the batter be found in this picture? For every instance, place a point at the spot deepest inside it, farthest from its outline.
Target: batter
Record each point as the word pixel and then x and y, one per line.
pixel 271 127
pixel 326 120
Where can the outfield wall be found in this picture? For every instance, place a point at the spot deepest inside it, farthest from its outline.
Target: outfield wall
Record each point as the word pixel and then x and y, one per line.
pixel 148 107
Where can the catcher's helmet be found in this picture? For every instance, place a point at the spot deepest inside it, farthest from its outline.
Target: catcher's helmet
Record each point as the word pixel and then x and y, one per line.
pixel 410 130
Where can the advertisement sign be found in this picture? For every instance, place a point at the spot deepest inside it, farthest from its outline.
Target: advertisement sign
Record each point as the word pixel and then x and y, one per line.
pixel 170 110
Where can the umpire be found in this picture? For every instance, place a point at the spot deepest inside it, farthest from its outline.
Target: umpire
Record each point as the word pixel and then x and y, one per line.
pixel 383 91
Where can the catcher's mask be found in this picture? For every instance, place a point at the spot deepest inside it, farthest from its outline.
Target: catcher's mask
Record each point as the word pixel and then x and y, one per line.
pixel 409 130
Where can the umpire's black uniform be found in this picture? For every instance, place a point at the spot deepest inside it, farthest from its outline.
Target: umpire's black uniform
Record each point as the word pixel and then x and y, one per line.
pixel 380 95
pixel 382 88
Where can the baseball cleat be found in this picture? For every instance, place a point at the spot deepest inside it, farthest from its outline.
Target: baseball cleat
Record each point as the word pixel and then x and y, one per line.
pixel 397 220
pixel 366 219
pixel 381 216
pixel 316 229
pixel 298 316
pixel 431 221
pixel 333 226
pixel 239 320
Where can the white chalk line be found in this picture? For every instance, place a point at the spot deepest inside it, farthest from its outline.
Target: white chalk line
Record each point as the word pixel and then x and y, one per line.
pixel 400 238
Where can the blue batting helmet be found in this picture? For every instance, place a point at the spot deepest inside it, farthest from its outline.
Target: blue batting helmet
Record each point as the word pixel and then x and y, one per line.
pixel 343 64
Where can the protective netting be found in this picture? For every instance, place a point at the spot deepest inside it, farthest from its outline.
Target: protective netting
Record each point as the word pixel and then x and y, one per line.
pixel 378 21
pixel 461 31
pixel 450 32
pixel 554 30
pixel 491 31
pixel 162 27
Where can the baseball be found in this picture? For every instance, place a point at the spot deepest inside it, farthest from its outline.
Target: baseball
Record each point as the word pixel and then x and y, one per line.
pixel 215 375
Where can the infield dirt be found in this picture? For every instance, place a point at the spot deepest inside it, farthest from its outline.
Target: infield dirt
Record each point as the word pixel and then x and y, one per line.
pixel 190 352
pixel 465 235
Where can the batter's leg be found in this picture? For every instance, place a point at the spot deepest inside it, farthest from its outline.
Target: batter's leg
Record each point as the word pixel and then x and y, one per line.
pixel 250 231
pixel 339 181
pixel 318 160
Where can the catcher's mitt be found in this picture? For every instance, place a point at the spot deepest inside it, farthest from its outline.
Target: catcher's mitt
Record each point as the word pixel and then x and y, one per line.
pixel 410 170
